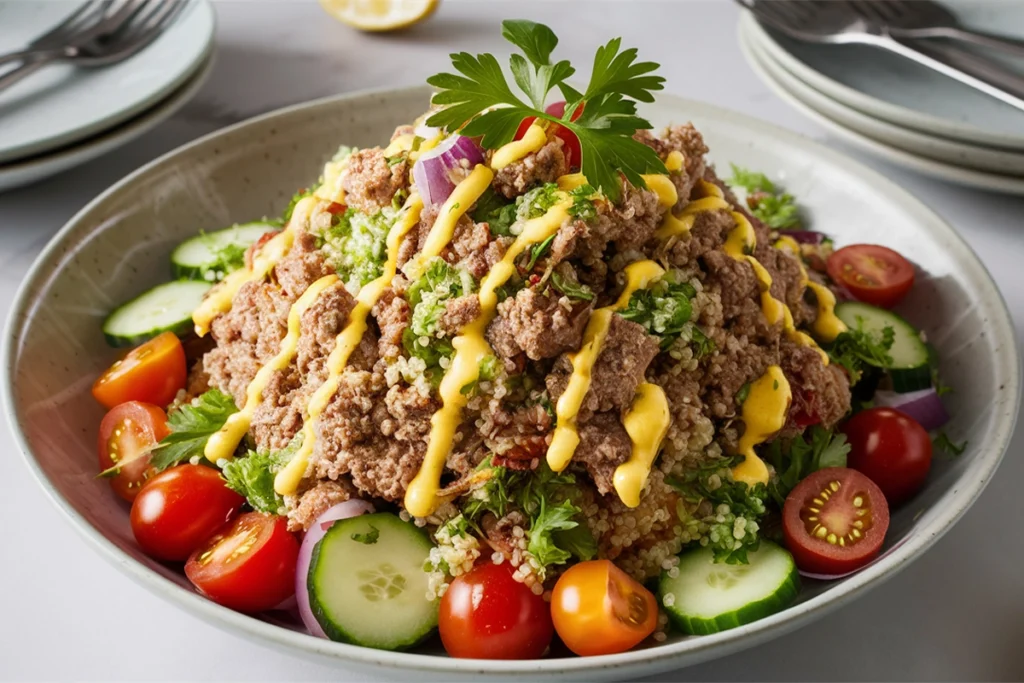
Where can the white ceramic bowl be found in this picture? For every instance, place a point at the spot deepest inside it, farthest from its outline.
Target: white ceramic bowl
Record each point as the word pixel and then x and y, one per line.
pixel 119 244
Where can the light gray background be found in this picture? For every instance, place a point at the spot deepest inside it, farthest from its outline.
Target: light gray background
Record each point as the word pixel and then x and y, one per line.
pixel 957 613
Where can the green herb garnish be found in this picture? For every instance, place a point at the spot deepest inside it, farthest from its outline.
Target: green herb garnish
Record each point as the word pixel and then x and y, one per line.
pixel 191 426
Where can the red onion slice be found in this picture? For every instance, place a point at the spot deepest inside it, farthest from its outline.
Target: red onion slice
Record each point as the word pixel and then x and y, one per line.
pixel 422 130
pixel 350 508
pixel 925 406
pixel 432 171
pixel 804 236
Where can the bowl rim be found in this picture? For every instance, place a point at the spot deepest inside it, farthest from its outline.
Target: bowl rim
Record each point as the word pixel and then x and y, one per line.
pixel 662 657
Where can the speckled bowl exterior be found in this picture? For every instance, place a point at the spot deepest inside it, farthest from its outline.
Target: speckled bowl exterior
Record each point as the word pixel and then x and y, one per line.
pixel 119 245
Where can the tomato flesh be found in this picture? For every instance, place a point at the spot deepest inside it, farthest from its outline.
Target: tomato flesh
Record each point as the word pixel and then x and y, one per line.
pixel 598 609
pixel 834 521
pixel 178 509
pixel 153 373
pixel 872 273
pixel 570 143
pixel 248 565
pixel 127 433
pixel 487 614
pixel 891 449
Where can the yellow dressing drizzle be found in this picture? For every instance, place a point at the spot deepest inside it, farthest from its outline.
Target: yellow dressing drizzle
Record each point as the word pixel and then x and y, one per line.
pixel 646 423
pixel 220 297
pixel 535 138
pixel 709 189
pixel 465 195
pixel 741 240
pixel 675 161
pixel 827 325
pixel 223 443
pixel 565 437
pixel 470 349
pixel 571 181
pixel 789 245
pixel 764 414
pixel 403 143
pixel 287 480
pixel 662 186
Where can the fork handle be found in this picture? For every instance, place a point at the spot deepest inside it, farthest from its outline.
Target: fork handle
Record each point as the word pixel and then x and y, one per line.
pixel 9 78
pixel 966 67
pixel 1007 44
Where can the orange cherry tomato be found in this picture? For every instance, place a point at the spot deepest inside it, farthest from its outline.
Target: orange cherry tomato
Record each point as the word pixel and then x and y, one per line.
pixel 127 433
pixel 152 373
pixel 598 609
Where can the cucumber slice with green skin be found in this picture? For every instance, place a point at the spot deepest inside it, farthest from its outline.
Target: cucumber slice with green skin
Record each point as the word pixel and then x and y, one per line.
pixel 911 379
pixel 213 255
pixel 166 307
pixel 707 597
pixel 367 585
pixel 908 351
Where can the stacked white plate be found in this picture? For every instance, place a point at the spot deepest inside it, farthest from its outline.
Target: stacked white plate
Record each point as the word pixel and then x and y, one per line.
pixel 898 110
pixel 63 116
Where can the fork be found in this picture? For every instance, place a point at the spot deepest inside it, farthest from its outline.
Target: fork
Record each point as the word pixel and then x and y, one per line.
pixel 116 36
pixel 838 22
pixel 928 19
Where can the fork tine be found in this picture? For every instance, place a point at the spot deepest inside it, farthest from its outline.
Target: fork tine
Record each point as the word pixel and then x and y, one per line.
pixel 147 15
pixel 86 13
pixel 144 31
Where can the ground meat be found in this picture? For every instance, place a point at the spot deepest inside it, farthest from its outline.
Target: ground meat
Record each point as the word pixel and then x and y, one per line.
pixel 541 325
pixel 247 337
pixel 686 140
pixel 604 445
pixel 279 415
pixel 458 313
pixel 820 392
pixel 543 166
pixel 317 500
pixel 516 436
pixel 629 224
pixel 787 282
pixel 709 232
pixel 409 413
pixel 370 183
pixel 303 265
pixel 198 380
pixel 393 315
pixel 473 248
pixel 739 360
pixel 618 370
pixel 320 325
pixel 734 280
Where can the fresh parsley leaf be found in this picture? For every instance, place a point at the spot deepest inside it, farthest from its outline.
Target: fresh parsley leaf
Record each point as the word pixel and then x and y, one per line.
pixel 253 475
pixel 538 201
pixel 571 288
pixel 550 519
pixel 663 309
pixel 191 426
pixel 751 181
pixel 538 250
pixel 479 102
pixel 369 538
pixel 793 459
pixel 583 206
pixel 942 442
pixel 857 348
pixel 774 208
pixel 494 210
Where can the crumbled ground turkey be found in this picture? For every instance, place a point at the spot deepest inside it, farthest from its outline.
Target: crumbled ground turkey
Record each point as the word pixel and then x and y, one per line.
pixel 373 434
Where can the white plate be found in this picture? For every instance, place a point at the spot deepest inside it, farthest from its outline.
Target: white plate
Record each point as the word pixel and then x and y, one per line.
pixel 897 90
pixel 120 243
pixel 808 101
pixel 62 104
pixel 20 173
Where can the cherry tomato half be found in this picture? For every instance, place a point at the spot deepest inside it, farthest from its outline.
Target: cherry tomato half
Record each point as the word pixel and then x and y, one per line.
pixel 835 521
pixel 153 372
pixel 598 609
pixel 571 143
pixel 249 565
pixel 872 273
pixel 127 433
pixel 891 449
pixel 178 509
pixel 487 614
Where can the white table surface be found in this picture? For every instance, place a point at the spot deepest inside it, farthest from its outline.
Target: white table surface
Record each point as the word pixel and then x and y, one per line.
pixel 957 613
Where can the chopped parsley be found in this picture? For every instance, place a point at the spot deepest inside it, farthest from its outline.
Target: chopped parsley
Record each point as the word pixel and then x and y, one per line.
pixel 428 297
pixel 857 348
pixel 479 101
pixel 191 426
pixel 494 210
pixel 794 459
pixel 356 245
pixel 583 206
pixel 538 251
pixel 941 442
pixel 253 475
pixel 742 394
pixel 571 288
pixel 663 309
pixel 774 208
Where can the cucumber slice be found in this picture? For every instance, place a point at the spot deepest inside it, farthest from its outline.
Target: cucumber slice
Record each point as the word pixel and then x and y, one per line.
pixel 908 351
pixel 911 379
pixel 367 585
pixel 213 255
pixel 706 597
pixel 166 307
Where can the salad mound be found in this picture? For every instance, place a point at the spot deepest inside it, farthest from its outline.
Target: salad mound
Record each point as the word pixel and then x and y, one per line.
pixel 521 355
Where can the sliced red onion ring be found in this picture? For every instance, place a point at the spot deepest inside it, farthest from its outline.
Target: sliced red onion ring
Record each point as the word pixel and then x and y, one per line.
pixel 432 171
pixel 350 508
pixel 925 406
pixel 804 236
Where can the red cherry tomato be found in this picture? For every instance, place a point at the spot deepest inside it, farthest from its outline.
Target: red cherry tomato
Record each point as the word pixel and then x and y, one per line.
pixel 872 273
pixel 178 509
pixel 835 521
pixel 891 449
pixel 487 614
pixel 598 609
pixel 249 565
pixel 571 144
pixel 127 433
pixel 152 373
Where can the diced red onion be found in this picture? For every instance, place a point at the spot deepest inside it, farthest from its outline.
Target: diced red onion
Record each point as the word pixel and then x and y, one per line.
pixel 925 406
pixel 432 172
pixel 804 236
pixel 350 508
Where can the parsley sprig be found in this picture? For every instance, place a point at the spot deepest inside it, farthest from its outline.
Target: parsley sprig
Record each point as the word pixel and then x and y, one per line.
pixel 480 102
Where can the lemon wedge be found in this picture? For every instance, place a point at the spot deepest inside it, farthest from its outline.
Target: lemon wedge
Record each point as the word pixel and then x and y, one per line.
pixel 380 15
